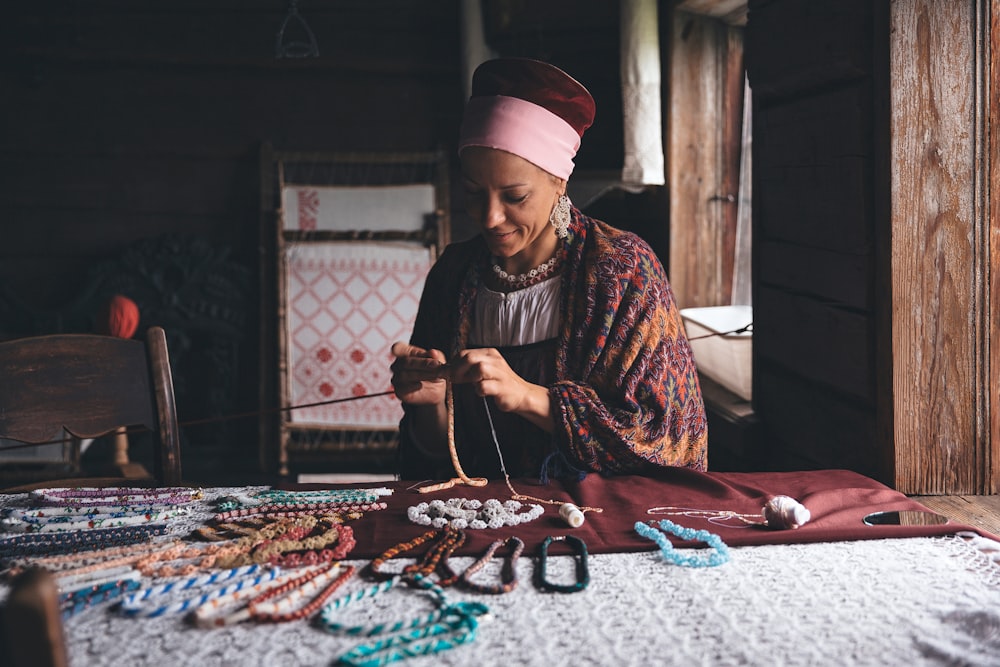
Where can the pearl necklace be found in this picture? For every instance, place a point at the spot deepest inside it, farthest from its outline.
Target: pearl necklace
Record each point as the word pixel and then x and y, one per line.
pixel 539 273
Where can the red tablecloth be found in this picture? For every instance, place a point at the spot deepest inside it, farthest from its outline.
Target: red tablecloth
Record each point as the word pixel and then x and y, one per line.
pixel 838 501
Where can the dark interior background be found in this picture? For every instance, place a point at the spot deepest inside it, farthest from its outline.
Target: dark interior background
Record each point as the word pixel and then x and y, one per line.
pixel 130 137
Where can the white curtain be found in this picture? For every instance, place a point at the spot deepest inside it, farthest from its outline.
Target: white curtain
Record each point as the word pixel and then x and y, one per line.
pixel 640 70
pixel 475 50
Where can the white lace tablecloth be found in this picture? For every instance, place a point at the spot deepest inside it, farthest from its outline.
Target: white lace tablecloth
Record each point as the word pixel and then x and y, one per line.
pixel 917 601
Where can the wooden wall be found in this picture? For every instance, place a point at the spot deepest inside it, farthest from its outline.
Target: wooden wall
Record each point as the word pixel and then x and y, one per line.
pixel 126 122
pixel 875 299
pixel 122 122
pixel 945 236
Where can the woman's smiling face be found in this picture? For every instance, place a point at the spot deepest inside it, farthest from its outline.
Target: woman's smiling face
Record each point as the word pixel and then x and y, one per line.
pixel 511 200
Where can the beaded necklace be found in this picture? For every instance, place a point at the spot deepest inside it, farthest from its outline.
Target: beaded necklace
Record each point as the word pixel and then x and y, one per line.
pixel 72 512
pixel 582 571
pixel 241 578
pixel 508 573
pixel 300 509
pixel 205 615
pixel 89 580
pixel 261 609
pixel 455 625
pixel 463 513
pixel 62 524
pixel 193 558
pixel 33 544
pixel 780 512
pixel 115 495
pixel 72 604
pixel 449 540
pixel 90 560
pixel 718 556
pixel 449 625
pixel 277 496
pixel 542 272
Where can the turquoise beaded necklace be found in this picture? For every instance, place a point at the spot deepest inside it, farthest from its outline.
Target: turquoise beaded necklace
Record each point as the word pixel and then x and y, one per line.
pixel 718 555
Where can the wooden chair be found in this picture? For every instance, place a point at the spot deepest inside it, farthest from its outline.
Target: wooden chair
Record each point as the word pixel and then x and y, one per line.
pixel 33 634
pixel 90 386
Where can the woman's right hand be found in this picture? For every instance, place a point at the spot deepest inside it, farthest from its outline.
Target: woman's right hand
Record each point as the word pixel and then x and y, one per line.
pixel 418 375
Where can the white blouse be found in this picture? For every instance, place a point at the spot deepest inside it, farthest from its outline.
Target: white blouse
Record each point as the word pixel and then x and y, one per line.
pixel 516 318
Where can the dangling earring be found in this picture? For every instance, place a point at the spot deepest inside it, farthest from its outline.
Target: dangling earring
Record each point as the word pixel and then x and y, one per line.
pixel 559 218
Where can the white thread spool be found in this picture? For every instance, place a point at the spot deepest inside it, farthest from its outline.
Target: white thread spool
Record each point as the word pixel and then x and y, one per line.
pixel 785 512
pixel 571 514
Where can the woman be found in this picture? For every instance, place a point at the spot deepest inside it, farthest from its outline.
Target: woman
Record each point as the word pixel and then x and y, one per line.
pixel 558 333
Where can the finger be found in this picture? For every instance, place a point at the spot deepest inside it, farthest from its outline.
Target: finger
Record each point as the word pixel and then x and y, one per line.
pixel 404 349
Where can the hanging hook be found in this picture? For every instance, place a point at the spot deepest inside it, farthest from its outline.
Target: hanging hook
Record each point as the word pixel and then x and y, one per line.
pixel 294 48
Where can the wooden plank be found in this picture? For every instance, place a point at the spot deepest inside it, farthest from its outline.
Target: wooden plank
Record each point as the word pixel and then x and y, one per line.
pixel 977 511
pixel 60 233
pixel 800 59
pixel 837 278
pixel 821 205
pixel 126 184
pixel 403 35
pixel 822 344
pixel 992 280
pixel 937 260
pixel 812 159
pixel 128 109
pixel 700 161
pixel 807 427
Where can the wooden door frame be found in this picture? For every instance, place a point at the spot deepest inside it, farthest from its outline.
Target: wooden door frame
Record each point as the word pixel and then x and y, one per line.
pixel 945 241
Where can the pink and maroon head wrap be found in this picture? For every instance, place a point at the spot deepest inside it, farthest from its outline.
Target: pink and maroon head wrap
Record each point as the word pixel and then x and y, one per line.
pixel 529 108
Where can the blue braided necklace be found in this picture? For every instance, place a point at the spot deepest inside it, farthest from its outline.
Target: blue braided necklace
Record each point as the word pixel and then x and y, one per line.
pixel 718 556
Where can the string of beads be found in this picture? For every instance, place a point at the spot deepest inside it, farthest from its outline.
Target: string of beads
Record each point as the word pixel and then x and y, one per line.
pixel 582 570
pixel 508 573
pixel 115 495
pixel 718 555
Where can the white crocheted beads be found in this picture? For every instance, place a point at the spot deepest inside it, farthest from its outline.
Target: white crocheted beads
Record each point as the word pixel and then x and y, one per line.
pixel 461 513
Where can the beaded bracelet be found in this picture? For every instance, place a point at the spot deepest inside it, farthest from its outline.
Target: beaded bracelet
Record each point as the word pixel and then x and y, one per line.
pixel 77 580
pixel 418 581
pixel 42 512
pixel 91 560
pixel 32 544
pixel 299 509
pixel 204 616
pixel 132 604
pixel 449 540
pixel 463 513
pixel 69 523
pixel 718 556
pixel 508 573
pixel 82 600
pixel 582 571
pixel 273 612
pixel 325 495
pixel 344 546
pixel 192 559
pixel 116 495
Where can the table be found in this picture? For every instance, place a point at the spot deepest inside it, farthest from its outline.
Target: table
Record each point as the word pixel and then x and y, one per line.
pixel 897 595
